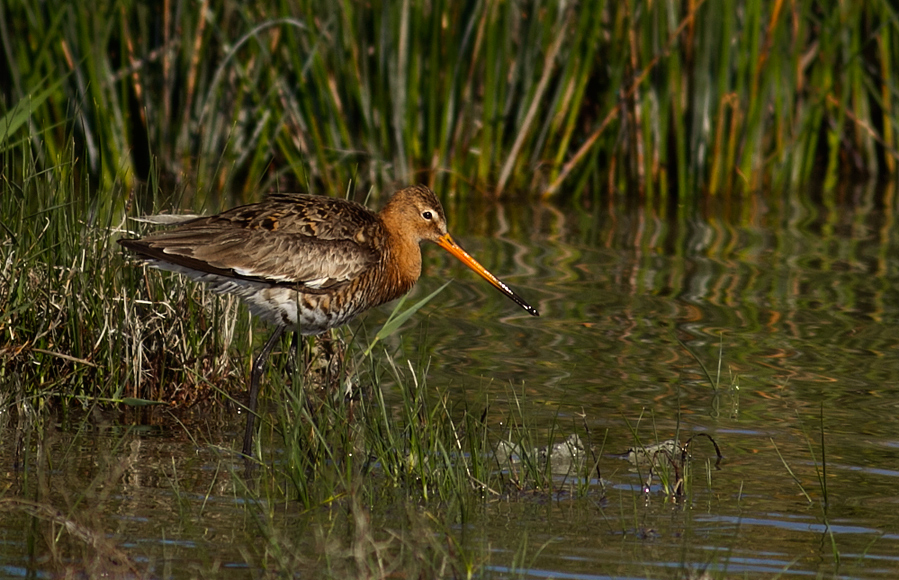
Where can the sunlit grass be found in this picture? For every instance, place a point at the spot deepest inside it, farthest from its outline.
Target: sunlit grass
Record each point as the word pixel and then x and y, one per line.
pixel 79 323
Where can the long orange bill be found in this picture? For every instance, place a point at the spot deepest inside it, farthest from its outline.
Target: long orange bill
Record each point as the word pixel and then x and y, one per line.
pixel 446 242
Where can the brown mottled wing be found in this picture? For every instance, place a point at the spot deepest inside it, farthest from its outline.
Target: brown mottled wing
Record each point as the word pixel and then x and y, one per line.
pixel 312 242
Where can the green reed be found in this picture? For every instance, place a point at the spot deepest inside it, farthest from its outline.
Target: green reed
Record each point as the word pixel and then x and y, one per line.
pixel 647 98
pixel 386 424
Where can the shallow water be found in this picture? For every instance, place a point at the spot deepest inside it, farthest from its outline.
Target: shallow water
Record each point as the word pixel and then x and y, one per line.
pixel 802 301
pixel 798 299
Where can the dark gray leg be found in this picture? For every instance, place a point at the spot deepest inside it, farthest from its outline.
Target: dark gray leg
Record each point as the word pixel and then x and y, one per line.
pixel 255 376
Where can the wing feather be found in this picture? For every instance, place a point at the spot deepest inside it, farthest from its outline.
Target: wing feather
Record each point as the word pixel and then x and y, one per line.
pixel 311 242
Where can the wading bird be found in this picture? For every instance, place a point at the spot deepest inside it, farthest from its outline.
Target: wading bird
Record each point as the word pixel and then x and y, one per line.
pixel 308 263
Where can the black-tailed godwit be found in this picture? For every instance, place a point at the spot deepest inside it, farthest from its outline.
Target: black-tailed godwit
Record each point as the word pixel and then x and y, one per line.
pixel 308 263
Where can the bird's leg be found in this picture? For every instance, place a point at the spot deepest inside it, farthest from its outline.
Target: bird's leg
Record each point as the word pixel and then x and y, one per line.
pixel 255 376
pixel 294 358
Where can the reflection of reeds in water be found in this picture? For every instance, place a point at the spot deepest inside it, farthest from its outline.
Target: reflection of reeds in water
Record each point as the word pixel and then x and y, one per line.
pixel 655 99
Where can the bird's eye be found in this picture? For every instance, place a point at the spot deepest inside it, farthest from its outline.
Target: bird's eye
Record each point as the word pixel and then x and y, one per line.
pixel 427 215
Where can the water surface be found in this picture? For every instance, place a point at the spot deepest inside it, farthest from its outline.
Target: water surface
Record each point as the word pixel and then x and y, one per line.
pixel 794 299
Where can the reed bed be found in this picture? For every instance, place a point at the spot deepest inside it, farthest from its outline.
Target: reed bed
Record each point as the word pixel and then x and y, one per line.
pixel 569 99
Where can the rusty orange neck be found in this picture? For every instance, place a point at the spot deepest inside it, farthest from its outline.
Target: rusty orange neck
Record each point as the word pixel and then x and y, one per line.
pixel 403 265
